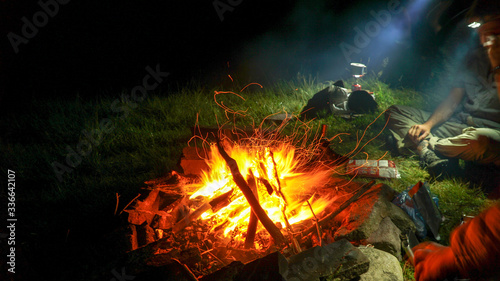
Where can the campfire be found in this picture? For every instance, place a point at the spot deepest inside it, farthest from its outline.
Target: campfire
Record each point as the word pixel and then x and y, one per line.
pixel 254 193
pixel 261 175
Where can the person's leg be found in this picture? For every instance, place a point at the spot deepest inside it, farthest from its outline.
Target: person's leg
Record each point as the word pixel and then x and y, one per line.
pixel 401 118
pixel 481 145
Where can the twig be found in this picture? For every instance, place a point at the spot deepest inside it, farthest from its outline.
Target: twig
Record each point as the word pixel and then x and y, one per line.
pixel 277 177
pixel 206 252
pixel 285 203
pixel 316 222
pixel 214 256
pixel 130 203
pixel 187 268
pixel 117 201
pixel 364 188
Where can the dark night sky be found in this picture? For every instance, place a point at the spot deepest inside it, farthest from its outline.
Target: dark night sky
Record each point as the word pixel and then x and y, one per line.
pixel 91 46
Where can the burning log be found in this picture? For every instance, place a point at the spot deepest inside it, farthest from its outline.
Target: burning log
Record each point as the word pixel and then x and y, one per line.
pixel 215 204
pixel 364 188
pixel 268 186
pixel 191 217
pixel 268 224
pixel 253 221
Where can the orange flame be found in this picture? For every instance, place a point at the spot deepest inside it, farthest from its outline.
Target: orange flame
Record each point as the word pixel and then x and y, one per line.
pixel 257 158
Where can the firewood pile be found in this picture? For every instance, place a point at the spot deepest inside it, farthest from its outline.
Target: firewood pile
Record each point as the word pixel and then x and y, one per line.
pixel 168 226
pixel 197 250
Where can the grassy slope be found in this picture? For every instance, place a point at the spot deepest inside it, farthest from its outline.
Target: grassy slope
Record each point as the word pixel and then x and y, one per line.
pixel 147 143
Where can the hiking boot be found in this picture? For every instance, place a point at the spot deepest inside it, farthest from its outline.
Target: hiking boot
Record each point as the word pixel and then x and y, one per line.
pixel 391 145
pixel 434 164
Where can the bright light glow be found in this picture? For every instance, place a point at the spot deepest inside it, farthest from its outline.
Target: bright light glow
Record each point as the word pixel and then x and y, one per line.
pixel 474 24
pixel 298 187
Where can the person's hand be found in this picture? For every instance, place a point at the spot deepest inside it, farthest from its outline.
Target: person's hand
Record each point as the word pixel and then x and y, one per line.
pixel 433 262
pixel 419 132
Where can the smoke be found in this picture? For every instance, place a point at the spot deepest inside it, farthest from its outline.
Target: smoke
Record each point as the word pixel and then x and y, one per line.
pixel 323 37
pixel 397 41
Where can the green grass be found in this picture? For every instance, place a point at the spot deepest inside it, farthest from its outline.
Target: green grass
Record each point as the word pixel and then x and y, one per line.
pixel 146 141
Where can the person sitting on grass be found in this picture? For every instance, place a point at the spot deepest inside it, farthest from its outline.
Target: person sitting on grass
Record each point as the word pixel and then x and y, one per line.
pixel 473 133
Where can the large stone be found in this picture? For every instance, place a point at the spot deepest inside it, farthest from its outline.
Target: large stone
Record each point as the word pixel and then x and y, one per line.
pixel 268 268
pixel 174 271
pixel 188 257
pixel 340 259
pixel 358 221
pixel 227 273
pixel 401 219
pixel 387 238
pixel 383 266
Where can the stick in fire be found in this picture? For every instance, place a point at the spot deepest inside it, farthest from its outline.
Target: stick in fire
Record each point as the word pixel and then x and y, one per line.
pixel 253 221
pixel 215 204
pixel 364 188
pixel 268 224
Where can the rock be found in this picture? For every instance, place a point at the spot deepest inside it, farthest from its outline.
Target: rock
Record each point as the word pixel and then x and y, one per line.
pixel 357 222
pixel 401 219
pixel 138 261
pixel 386 191
pixel 387 238
pixel 340 259
pixel 188 257
pixel 383 266
pixel 227 273
pixel 268 268
pixel 174 271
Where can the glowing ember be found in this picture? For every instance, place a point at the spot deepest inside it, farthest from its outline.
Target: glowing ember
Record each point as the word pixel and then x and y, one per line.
pixel 283 191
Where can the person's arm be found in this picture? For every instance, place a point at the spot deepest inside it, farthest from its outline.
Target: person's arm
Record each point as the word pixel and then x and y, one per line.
pixel 476 245
pixel 474 251
pixel 442 113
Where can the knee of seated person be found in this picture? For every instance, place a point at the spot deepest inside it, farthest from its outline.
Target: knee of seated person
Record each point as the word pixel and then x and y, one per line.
pixel 479 143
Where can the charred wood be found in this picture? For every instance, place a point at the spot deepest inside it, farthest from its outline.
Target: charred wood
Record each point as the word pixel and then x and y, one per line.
pixel 268 224
pixel 253 221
